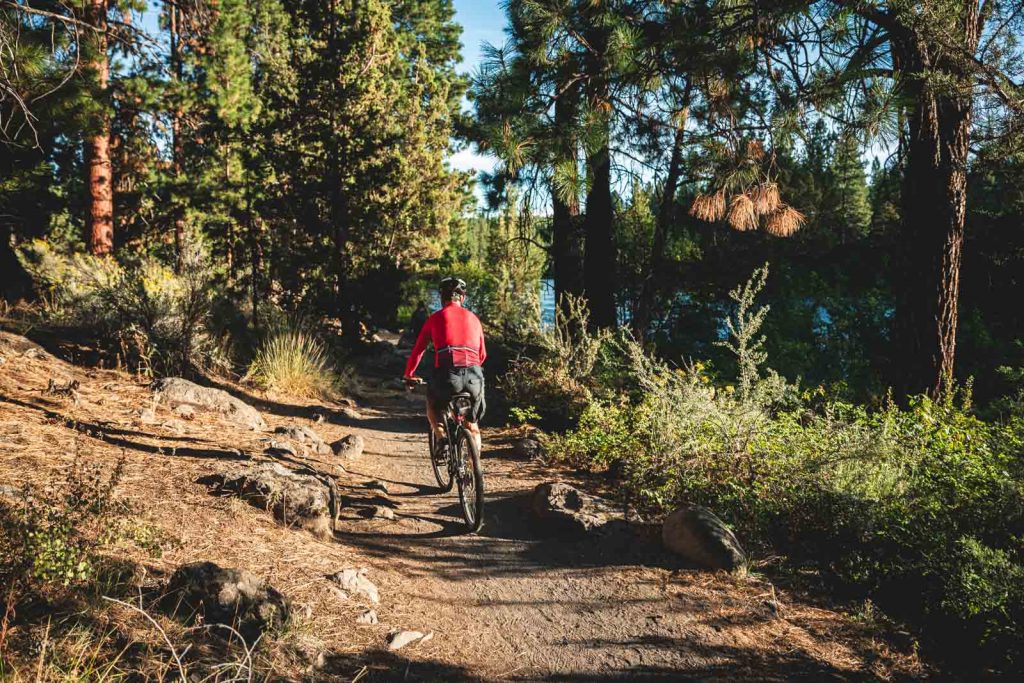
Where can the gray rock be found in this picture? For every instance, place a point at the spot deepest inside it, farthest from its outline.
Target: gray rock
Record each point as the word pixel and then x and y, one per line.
pixel 349 447
pixel 353 582
pixel 175 391
pixel 399 639
pixel 697 535
pixel 185 411
pixel 147 416
pixel 281 448
pixel 232 597
pixel 368 617
pixel 527 449
pixel 377 485
pixel 383 512
pixel 305 437
pixel 562 509
pixel 300 499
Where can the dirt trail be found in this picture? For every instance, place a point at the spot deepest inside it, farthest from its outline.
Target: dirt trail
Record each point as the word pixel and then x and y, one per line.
pixel 513 603
pixel 507 604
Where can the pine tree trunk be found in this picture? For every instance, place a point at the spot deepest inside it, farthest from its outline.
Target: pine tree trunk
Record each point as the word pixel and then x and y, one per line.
pixel 599 251
pixel 934 203
pixel 656 263
pixel 177 148
pixel 599 255
pixel 566 249
pixel 99 179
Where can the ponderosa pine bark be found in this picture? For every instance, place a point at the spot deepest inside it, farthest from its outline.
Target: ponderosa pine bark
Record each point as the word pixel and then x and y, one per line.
pixel 599 253
pixel 177 148
pixel 656 263
pixel 99 178
pixel 934 205
pixel 566 249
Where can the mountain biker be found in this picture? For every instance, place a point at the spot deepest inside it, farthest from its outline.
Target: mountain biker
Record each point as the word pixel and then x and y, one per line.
pixel 459 353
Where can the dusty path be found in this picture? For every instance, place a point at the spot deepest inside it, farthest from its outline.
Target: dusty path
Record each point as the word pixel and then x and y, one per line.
pixel 510 603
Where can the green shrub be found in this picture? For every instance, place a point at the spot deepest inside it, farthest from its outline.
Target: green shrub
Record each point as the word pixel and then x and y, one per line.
pixel 56 542
pixel 294 362
pixel 918 508
pixel 557 380
pixel 153 320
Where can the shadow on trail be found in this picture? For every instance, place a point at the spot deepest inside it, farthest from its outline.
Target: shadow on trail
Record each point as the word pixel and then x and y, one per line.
pixel 709 663
pixel 110 435
pixel 509 544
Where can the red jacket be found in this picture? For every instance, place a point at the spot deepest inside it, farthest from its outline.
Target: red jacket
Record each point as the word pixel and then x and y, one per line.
pixel 457 336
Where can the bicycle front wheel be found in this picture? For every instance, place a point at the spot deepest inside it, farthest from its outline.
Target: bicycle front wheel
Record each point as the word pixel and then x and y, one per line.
pixel 471 481
pixel 439 462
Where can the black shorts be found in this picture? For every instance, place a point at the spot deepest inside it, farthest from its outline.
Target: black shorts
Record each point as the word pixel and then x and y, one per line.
pixel 448 381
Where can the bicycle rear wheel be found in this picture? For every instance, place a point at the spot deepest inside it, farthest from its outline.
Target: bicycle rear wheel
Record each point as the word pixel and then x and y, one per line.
pixel 441 471
pixel 471 481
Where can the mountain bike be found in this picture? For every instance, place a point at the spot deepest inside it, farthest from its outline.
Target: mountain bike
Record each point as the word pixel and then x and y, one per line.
pixel 457 459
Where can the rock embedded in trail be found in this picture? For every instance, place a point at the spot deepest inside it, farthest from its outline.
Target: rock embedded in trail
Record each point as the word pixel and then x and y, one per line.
pixel 353 582
pixel 399 639
pixel 527 448
pixel 349 447
pixel 305 437
pixel 175 391
pixel 563 509
pixel 231 597
pixel 304 500
pixel 369 617
pixel 697 535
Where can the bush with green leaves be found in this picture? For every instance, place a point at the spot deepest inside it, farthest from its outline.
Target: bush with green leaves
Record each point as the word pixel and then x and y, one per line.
pixel 917 507
pixel 155 321
pixel 555 378
pixel 56 541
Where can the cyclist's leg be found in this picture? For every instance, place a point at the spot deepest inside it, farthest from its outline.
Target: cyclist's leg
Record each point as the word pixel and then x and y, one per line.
pixel 474 384
pixel 434 418
pixel 474 430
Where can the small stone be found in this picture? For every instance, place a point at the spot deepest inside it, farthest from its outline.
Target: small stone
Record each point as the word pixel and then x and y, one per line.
pixel 349 447
pixel 281 447
pixel 354 582
pixel 368 617
pixel 305 438
pixel 399 639
pixel 527 449
pixel 185 411
pixel 383 512
pixel 147 416
pixel 377 485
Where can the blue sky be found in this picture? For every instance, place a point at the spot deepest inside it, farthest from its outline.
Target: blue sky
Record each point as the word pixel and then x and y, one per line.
pixel 482 21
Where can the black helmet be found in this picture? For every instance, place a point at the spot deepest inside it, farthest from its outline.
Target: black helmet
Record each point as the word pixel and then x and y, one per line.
pixel 451 286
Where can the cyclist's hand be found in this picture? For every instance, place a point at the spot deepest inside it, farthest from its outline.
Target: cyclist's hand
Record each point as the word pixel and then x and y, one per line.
pixel 412 381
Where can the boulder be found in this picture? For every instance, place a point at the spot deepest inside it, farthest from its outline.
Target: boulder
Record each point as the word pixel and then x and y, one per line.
pixel 353 582
pixel 175 391
pixel 304 500
pixel 232 597
pixel 562 509
pixel 349 447
pixel 305 437
pixel 697 535
pixel 527 448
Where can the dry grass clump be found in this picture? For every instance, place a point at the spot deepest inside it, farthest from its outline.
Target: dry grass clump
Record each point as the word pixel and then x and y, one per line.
pixel 742 213
pixel 295 363
pixel 784 221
